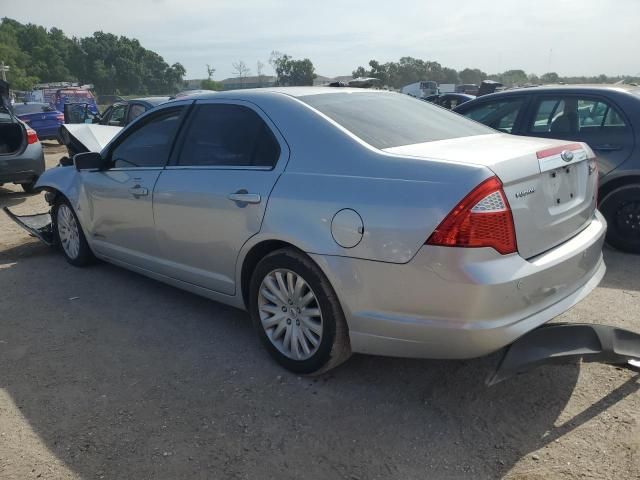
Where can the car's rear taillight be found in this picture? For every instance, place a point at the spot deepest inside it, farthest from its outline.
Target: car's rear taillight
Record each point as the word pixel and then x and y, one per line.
pixel 32 136
pixel 60 118
pixel 482 219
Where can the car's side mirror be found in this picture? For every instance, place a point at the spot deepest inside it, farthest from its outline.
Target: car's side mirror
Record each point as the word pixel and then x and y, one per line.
pixel 89 161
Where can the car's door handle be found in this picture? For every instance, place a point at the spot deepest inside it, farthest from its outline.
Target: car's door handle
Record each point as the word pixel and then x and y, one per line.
pixel 607 147
pixel 242 196
pixel 138 191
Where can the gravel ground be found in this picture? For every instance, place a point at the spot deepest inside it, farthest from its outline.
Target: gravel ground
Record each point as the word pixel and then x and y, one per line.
pixel 108 374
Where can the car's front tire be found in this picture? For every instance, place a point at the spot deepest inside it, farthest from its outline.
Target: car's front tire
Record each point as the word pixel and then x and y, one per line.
pixel 621 208
pixel 296 313
pixel 69 234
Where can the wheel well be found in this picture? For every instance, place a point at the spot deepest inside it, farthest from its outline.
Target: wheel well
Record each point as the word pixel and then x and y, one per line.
pixel 257 253
pixel 51 194
pixel 609 187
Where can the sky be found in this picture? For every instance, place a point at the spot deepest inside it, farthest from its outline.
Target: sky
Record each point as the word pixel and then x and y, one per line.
pixel 570 37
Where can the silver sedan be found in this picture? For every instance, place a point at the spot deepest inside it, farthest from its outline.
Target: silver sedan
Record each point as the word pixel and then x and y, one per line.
pixel 343 220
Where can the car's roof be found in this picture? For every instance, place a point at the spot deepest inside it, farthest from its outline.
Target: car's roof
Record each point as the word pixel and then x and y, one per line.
pixel 291 91
pixel 622 88
pixel 151 100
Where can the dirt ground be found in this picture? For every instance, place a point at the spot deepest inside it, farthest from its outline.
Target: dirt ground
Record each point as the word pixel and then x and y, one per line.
pixel 108 374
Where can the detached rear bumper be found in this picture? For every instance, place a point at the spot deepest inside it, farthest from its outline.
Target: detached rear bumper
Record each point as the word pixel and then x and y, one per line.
pixel 462 303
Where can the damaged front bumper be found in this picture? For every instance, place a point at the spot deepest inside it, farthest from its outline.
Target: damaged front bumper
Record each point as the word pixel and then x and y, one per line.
pixel 38 225
pixel 565 342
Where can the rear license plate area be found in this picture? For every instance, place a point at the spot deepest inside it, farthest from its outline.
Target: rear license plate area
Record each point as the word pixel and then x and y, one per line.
pixel 563 184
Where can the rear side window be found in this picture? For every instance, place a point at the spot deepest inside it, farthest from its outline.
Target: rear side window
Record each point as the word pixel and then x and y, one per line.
pixel 500 115
pixel 572 114
pixel 150 144
pixel 225 135
pixel 385 120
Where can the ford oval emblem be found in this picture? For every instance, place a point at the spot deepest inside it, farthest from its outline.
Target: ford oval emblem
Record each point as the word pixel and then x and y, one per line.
pixel 566 155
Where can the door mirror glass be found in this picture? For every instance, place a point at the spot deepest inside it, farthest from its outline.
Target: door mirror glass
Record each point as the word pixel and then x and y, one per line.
pixel 89 161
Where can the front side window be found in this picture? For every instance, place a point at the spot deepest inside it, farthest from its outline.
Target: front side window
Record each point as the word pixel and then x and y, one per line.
pixel 150 144
pixel 228 135
pixel 500 115
pixel 117 116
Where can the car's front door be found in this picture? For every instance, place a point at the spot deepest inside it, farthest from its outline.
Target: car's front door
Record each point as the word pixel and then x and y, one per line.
pixel 584 118
pixel 118 201
pixel 212 197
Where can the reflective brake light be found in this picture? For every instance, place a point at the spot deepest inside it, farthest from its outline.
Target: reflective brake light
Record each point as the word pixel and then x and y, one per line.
pixel 482 219
pixel 32 136
pixel 60 118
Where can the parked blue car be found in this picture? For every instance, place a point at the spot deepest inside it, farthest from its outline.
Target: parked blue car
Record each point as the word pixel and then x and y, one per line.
pixel 41 117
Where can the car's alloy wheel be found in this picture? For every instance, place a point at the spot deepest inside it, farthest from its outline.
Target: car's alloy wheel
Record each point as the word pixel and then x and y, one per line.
pixel 68 231
pixel 69 234
pixel 290 314
pixel 297 314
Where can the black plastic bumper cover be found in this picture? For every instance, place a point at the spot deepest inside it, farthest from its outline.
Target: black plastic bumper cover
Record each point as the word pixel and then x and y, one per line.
pixel 563 342
pixel 38 225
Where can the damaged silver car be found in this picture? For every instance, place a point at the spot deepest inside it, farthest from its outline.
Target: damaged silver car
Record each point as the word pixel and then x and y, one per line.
pixel 345 220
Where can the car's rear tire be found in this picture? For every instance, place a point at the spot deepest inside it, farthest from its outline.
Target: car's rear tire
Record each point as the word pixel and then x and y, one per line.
pixel 621 208
pixel 69 235
pixel 28 187
pixel 296 313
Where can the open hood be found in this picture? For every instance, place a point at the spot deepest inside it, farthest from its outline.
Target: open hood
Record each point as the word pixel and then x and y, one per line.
pixel 82 137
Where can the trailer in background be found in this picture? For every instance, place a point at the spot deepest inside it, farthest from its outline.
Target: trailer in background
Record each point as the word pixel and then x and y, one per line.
pixel 421 89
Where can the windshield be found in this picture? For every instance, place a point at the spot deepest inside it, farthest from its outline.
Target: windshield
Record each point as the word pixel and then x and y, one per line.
pixel 386 120
pixel 27 108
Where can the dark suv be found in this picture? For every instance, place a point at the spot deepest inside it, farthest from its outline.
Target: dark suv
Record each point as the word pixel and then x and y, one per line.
pixel 607 118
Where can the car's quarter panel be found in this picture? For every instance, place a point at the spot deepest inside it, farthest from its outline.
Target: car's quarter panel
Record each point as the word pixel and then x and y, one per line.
pixel 397 215
pixel 461 303
pixel 24 166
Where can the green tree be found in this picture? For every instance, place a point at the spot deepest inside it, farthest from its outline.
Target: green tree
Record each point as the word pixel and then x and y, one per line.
pixel 210 84
pixel 550 77
pixel 472 75
pixel 290 72
pixel 111 63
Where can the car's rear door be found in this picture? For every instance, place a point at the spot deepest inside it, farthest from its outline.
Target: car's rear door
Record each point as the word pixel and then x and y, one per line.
pixel 212 197
pixel 592 119
pixel 116 203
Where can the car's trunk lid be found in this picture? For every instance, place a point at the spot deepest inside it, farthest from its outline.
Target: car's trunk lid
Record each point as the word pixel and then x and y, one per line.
pixel 552 196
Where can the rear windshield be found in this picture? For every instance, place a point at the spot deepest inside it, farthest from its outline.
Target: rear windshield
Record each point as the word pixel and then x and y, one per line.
pixel 25 109
pixel 386 120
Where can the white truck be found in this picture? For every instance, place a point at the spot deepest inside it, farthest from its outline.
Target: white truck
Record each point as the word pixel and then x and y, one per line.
pixel 421 89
